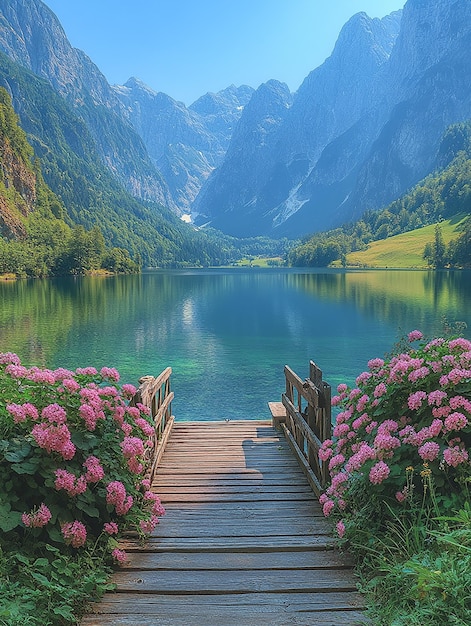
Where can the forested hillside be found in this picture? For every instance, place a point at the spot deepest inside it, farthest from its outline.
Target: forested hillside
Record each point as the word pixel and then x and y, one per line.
pixel 38 236
pixel 443 194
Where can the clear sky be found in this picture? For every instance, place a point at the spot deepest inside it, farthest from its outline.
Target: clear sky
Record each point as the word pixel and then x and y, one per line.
pixel 186 48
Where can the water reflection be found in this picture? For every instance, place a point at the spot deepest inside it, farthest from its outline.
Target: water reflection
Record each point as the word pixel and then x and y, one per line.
pixel 226 334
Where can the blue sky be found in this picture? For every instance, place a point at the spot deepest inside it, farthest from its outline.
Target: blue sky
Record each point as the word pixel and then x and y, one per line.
pixel 186 48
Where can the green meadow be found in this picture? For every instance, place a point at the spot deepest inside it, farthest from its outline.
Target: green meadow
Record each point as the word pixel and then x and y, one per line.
pixel 405 250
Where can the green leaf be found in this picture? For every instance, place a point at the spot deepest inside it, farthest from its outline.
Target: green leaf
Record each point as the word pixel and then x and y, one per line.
pixel 88 508
pixel 17 451
pixel 65 612
pixel 40 578
pixel 84 440
pixel 8 519
pixel 26 467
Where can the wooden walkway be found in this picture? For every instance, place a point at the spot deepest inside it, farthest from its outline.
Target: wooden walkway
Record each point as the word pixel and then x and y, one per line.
pixel 243 541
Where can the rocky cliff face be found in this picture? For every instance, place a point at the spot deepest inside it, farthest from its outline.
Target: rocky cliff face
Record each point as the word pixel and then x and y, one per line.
pixel 228 201
pixel 366 125
pixel 32 36
pixel 17 178
pixel 331 99
pixel 186 144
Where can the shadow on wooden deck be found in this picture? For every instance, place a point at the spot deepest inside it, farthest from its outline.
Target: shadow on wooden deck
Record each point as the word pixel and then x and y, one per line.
pixel 243 541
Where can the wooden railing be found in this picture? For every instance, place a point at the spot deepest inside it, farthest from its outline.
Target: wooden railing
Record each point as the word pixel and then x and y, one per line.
pixel 304 414
pixel 154 393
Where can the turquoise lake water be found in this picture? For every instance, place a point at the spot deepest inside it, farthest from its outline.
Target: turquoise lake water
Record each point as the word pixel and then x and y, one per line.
pixel 227 333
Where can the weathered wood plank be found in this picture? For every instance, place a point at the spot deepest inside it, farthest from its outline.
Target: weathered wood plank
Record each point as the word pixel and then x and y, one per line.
pixel 234 581
pixel 234 616
pixel 190 526
pixel 263 602
pixel 279 560
pixel 236 544
pixel 243 541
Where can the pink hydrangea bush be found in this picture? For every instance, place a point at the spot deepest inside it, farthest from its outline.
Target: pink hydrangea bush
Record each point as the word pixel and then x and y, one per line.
pixel 73 457
pixel 408 417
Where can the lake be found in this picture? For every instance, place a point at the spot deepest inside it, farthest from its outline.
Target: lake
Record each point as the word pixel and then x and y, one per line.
pixel 227 333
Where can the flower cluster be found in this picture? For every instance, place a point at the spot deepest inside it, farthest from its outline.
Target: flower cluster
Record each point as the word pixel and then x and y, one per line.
pixel 73 456
pixel 410 411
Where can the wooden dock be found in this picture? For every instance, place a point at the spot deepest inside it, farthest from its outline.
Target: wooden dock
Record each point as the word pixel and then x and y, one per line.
pixel 243 542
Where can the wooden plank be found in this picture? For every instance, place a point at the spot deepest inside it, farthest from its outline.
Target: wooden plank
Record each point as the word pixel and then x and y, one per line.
pixel 234 488
pixel 243 541
pixel 308 560
pixel 265 602
pixel 236 544
pixel 234 581
pixel 186 615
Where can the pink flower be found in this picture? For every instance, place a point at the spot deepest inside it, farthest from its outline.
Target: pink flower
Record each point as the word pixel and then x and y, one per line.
pixel 340 529
pixel 16 371
pixel 74 533
pixel 375 364
pixel 363 454
pixel 325 453
pixel 54 413
pixel 144 425
pixel 147 526
pixel 455 455
pixel 132 446
pixel 461 343
pixel 70 385
pixel 86 371
pixel 69 483
pixel 37 519
pixel 61 374
pixel 436 397
pixel 94 472
pixel 384 441
pixel 7 358
pixel 418 374
pixel 115 493
pixel 456 421
pixel 119 556
pixel 128 390
pixel 328 507
pixel 362 378
pixel 110 372
pixel 401 496
pixel 379 473
pixel 415 335
pixel 460 402
pixel 111 528
pixel 429 451
pixel 135 466
pixel 17 411
pixel 341 429
pixel 108 392
pixel 415 400
pixel 380 390
pixel 336 460
pixel 54 438
pixel 41 376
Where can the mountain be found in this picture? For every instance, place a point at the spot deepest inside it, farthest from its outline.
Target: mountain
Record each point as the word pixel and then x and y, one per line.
pixel 362 129
pixel 32 36
pixel 186 144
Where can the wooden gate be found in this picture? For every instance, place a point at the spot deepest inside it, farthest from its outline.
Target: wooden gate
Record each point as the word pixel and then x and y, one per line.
pixel 304 414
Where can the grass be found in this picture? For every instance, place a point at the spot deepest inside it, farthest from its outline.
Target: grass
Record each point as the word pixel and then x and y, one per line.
pixel 405 250
pixel 259 262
